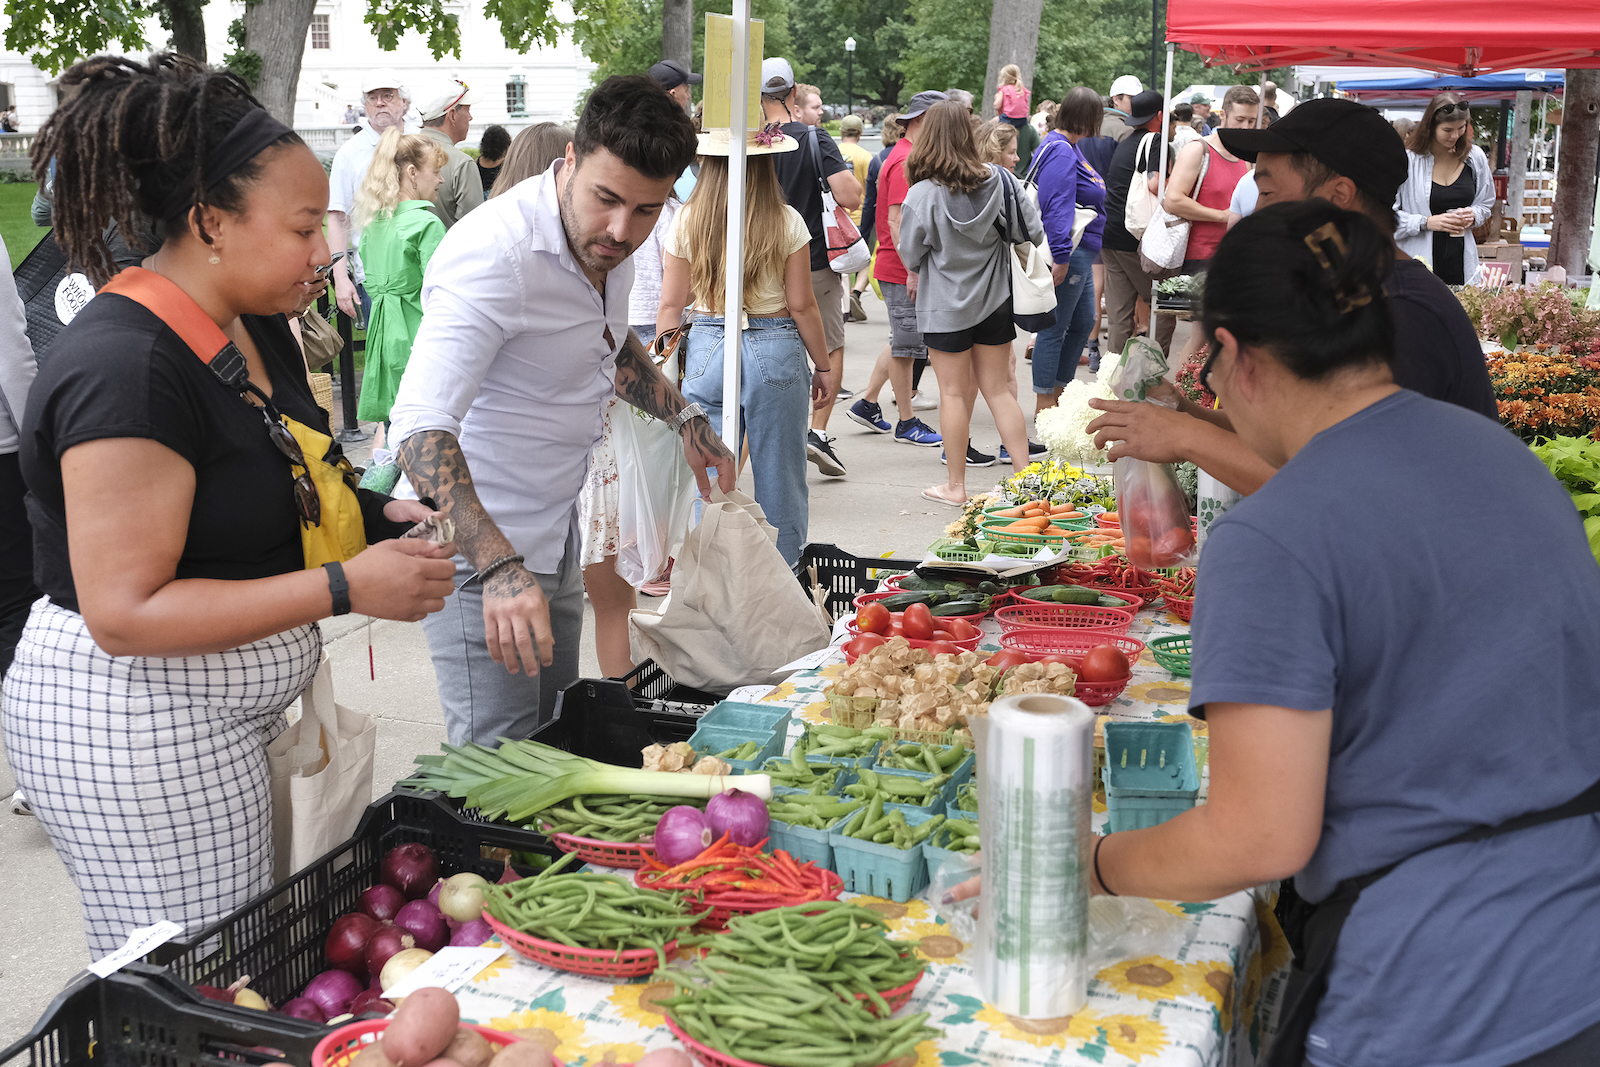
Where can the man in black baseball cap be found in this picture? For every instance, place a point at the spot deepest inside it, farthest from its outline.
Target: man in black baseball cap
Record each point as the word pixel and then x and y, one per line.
pixel 671 76
pixel 1343 152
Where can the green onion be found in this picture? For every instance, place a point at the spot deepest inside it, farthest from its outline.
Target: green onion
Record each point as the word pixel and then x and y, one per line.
pixel 521 778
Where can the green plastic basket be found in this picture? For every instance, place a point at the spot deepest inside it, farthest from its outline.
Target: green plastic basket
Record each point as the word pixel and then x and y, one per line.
pixel 955 551
pixel 1172 652
pixel 996 533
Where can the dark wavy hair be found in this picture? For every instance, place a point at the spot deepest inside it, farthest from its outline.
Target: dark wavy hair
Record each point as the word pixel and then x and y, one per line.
pixel 635 120
pixel 1268 287
pixel 132 142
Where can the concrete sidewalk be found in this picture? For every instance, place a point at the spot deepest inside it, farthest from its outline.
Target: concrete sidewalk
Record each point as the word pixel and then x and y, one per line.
pixel 874 510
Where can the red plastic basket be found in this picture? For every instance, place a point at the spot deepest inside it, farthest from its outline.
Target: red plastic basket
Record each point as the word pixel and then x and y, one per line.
pixel 342 1046
pixel 867 598
pixel 604 853
pixel 969 645
pixel 1077 643
pixel 1105 521
pixel 898 997
pixel 1181 606
pixel 603 963
pixel 704 1053
pixel 717 918
pixel 1039 614
pixel 1135 602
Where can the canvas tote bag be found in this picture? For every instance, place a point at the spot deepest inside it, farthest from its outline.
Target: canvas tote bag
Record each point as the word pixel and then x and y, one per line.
pixel 736 613
pixel 321 771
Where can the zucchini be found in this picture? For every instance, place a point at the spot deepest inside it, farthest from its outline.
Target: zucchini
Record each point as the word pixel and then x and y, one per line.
pixel 903 600
pixel 914 582
pixel 961 607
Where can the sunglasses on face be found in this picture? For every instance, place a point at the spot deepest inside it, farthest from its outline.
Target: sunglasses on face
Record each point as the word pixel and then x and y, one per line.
pixel 307 499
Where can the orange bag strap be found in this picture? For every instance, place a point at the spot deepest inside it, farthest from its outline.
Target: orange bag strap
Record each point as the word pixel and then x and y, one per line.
pixel 162 298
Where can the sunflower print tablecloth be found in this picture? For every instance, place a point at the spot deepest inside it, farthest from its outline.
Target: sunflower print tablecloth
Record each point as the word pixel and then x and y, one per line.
pixel 1208 999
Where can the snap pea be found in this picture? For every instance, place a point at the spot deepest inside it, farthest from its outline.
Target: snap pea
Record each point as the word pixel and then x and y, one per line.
pixel 747 750
pixel 915 756
pixel 816 778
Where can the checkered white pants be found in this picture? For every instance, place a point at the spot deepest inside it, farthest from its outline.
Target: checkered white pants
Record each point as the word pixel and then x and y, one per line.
pixel 149 773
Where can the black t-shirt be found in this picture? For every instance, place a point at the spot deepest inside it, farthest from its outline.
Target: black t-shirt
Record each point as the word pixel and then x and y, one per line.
pixel 1436 351
pixel 487 175
pixel 1125 162
pixel 119 371
pixel 797 173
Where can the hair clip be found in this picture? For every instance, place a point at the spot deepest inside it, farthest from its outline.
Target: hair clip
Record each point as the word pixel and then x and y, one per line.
pixel 1327 244
pixel 769 135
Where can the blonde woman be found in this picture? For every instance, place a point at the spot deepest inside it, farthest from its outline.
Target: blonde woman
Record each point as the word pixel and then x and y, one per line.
pixel 997 143
pixel 398 236
pixel 784 324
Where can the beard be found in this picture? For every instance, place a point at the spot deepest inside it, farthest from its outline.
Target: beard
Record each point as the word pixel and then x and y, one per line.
pixel 583 245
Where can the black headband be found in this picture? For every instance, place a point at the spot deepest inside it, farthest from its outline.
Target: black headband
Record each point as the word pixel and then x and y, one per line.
pixel 250 136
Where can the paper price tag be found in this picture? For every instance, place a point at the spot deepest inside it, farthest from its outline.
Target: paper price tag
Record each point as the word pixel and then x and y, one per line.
pixel 141 943
pixel 750 694
pixel 814 659
pixel 449 969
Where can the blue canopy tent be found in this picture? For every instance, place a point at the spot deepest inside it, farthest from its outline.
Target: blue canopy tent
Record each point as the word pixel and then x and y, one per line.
pixel 1415 91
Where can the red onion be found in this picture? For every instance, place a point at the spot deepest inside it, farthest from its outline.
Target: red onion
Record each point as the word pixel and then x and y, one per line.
pixel 347 943
pixel 385 943
pixel 682 833
pixel 211 992
pixel 412 869
pixel 471 934
pixel 381 902
pixel 424 922
pixel 305 1008
pixel 332 991
pixel 508 875
pixel 433 894
pixel 742 816
pixel 370 1000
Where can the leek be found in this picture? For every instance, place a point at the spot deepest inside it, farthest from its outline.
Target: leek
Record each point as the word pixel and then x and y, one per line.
pixel 522 778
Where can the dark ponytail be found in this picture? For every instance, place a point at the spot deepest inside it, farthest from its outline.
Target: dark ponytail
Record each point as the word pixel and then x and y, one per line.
pixel 1316 306
pixel 132 144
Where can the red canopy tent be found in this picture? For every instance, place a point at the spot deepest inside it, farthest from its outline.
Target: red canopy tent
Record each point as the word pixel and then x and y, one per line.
pixel 1465 37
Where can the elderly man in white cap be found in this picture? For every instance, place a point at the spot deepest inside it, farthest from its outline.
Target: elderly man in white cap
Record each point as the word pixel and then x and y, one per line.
pixel 386 101
pixel 446 117
pixel 1123 90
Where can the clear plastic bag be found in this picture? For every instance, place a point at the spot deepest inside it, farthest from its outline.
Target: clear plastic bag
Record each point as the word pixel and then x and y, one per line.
pixel 656 492
pixel 1151 506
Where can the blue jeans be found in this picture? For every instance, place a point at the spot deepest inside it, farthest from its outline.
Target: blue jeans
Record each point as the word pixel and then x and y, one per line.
pixel 775 402
pixel 1056 349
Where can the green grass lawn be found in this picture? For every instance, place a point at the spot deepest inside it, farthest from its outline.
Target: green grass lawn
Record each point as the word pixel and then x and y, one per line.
pixel 16 225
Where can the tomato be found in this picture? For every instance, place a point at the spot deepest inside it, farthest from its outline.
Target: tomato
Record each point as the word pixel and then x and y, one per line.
pixel 1105 663
pixel 960 629
pixel 859 646
pixel 895 628
pixel 1171 546
pixel 873 619
pixel 917 621
pixel 936 647
pixel 1007 658
pixel 1138 552
pixel 1070 661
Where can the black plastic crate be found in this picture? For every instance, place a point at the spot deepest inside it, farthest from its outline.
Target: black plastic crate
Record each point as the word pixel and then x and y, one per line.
pixel 143 1015
pixel 844 576
pixel 277 938
pixel 613 721
pixel 652 686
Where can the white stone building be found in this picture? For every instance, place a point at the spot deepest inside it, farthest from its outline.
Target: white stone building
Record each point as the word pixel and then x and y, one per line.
pixel 517 89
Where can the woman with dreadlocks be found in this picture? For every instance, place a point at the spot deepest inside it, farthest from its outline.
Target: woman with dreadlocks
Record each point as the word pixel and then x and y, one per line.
pixel 178 518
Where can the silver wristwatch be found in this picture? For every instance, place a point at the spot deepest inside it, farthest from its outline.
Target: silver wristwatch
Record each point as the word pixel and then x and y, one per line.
pixel 681 419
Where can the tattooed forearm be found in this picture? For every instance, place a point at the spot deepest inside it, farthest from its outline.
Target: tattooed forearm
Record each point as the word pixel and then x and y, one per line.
pixel 642 385
pixel 700 434
pixel 436 468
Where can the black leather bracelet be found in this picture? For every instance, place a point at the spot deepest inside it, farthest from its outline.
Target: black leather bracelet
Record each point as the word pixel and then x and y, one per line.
pixel 339 587
pixel 1097 877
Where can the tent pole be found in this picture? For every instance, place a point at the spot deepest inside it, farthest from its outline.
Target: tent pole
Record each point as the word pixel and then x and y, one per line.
pixel 733 270
pixel 1261 95
pixel 1161 178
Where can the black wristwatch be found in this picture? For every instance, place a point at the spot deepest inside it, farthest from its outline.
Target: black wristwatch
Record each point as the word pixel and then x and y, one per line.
pixel 339 587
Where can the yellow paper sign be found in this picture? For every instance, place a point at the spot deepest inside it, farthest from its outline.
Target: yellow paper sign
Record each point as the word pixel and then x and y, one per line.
pixel 715 94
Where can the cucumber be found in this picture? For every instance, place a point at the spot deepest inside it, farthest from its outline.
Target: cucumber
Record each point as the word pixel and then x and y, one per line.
pixel 902 601
pixel 960 607
pixel 1076 594
pixel 913 583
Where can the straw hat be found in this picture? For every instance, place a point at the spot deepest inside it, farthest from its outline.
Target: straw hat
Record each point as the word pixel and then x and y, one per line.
pixel 715 142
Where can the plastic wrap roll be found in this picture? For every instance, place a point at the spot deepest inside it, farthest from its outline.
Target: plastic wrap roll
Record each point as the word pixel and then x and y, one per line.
pixel 1036 760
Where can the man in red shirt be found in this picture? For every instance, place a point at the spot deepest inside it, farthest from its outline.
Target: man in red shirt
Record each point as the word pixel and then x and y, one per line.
pixel 899 295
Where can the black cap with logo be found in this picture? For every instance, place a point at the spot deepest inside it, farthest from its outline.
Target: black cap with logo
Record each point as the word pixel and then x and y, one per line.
pixel 1351 139
pixel 669 74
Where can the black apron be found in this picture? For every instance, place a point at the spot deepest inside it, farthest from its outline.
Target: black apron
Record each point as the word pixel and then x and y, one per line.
pixel 1312 930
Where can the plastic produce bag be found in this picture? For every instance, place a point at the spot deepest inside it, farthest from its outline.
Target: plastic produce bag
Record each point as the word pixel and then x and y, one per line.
pixel 1151 507
pixel 656 492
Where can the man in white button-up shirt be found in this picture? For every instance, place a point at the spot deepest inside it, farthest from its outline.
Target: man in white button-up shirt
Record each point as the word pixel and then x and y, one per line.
pixel 524 337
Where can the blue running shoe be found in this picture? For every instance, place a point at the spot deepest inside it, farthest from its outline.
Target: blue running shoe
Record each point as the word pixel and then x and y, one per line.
pixel 914 431
pixel 865 413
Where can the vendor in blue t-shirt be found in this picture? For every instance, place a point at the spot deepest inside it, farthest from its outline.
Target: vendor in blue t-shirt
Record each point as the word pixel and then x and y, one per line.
pixel 1395 686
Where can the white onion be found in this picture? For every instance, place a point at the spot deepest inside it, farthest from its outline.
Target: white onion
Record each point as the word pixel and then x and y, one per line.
pixel 461 897
pixel 401 964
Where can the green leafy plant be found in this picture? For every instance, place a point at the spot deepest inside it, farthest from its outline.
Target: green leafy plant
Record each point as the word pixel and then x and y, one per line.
pixel 1575 461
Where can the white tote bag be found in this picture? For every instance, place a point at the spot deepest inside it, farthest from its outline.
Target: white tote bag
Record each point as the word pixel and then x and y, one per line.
pixel 1166 239
pixel 736 613
pixel 1141 201
pixel 321 770
pixel 1033 292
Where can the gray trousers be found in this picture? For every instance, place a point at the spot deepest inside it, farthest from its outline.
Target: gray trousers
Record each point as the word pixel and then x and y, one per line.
pixel 482 701
pixel 1126 282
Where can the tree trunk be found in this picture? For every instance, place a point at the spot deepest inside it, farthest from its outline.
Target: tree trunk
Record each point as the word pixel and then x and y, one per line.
pixel 1013 38
pixel 188 28
pixel 677 31
pixel 1575 176
pixel 276 31
pixel 1517 182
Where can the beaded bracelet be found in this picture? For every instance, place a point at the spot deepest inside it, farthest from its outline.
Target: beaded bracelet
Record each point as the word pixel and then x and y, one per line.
pixel 496 567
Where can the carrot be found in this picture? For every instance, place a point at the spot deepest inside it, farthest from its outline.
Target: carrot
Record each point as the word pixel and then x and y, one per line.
pixel 1064 509
pixel 1032 513
pixel 1009 513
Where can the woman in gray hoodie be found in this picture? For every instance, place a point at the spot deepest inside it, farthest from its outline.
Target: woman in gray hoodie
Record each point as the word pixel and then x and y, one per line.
pixel 957 228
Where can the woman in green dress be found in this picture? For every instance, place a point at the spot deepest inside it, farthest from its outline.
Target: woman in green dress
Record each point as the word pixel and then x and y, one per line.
pixel 398 236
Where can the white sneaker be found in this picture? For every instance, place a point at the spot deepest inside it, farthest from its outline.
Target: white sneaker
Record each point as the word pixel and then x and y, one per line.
pixel 20 806
pixel 922 402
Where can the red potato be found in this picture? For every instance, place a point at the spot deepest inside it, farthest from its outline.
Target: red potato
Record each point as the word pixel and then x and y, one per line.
pixel 665 1057
pixel 522 1054
pixel 423 1027
pixel 469 1048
